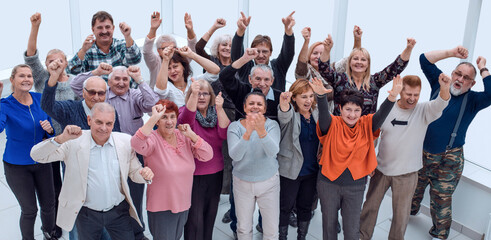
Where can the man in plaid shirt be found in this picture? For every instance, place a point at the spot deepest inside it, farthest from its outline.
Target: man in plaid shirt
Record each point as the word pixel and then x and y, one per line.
pixel 105 48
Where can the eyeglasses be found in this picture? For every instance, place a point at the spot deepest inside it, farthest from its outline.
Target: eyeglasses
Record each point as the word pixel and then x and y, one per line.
pixel 94 92
pixel 459 75
pixel 203 94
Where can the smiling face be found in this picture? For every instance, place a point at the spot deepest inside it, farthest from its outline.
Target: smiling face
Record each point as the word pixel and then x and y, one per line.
pixel 224 49
pixel 359 62
pixel 167 123
pixel 119 82
pixel 103 31
pixel 22 81
pixel 316 54
pixel 261 79
pixel 409 97
pixel 176 71
pixel 350 113
pixel 255 104
pixel 304 101
pixel 204 97
pixel 94 91
pixel 462 79
pixel 101 125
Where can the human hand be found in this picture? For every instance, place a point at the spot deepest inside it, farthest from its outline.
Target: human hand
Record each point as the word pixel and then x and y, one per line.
pixel 168 52
pixel 125 29
pixel 318 87
pixel 328 43
pixel 396 88
pixel 289 22
pixel 46 125
pixel 357 32
pixel 55 68
pixel 1 88
pixel 185 52
pixel 158 111
pixel 306 33
pixel 71 132
pixel 155 21
pixel 219 101
pixel 88 42
pixel 188 22
pixel 243 22
pixel 102 69
pixel 259 122
pixel 147 173
pixel 135 73
pixel 481 62
pixel 219 23
pixel 444 81
pixel 195 87
pixel 460 52
pixel 285 98
pixel 250 54
pixel 186 130
pixel 410 43
pixel 36 19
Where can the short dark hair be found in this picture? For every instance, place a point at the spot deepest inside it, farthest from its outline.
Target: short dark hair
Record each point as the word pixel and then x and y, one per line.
pixel 101 16
pixel 260 39
pixel 178 58
pixel 257 92
pixel 350 96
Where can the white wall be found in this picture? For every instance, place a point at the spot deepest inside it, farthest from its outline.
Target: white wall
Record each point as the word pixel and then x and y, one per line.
pixel 436 24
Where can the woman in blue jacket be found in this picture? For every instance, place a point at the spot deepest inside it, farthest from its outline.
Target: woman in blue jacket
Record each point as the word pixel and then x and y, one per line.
pixel 26 124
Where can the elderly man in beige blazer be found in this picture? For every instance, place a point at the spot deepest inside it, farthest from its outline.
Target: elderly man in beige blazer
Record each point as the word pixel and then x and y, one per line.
pixel 95 192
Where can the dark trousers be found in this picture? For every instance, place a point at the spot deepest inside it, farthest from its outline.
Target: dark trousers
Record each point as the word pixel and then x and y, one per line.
pixel 166 225
pixel 136 193
pixel 204 206
pixel 233 215
pixel 117 221
pixel 348 198
pixel 57 188
pixel 300 193
pixel 27 181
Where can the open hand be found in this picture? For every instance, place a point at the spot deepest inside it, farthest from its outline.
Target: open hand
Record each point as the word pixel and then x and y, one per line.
pixel 188 21
pixel 155 20
pixel 125 29
pixel 396 88
pixel 318 87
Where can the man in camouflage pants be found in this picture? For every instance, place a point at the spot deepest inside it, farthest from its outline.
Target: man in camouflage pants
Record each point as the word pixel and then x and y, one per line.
pixel 443 158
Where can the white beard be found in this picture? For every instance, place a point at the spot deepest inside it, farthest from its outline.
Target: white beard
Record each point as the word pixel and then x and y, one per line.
pixel 454 91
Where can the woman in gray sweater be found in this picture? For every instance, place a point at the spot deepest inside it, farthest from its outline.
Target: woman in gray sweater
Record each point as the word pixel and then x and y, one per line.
pixel 253 144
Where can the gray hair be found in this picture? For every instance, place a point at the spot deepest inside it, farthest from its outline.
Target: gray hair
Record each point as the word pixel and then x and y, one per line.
pixel 165 39
pixel 102 107
pixel 117 69
pixel 86 80
pixel 263 67
pixel 216 43
pixel 469 65
pixel 54 51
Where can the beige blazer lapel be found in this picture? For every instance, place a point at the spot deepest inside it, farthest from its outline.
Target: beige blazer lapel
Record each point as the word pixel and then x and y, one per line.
pixel 83 157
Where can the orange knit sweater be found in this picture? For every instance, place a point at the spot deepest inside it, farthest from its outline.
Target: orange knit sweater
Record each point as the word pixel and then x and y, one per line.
pixel 345 147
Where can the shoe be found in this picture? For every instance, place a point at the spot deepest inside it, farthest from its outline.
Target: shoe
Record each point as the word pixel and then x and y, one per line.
pixel 226 217
pixel 58 232
pixel 292 220
pixel 302 230
pixel 49 236
pixel 259 228
pixel 283 233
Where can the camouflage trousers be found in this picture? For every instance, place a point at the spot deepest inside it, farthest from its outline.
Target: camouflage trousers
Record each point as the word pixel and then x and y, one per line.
pixel 442 172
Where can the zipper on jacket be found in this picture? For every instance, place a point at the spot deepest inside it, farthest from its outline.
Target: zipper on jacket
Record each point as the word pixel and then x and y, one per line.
pixel 34 123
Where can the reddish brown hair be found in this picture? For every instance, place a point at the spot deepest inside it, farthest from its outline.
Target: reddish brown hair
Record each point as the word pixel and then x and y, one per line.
pixel 170 106
pixel 262 39
pixel 412 81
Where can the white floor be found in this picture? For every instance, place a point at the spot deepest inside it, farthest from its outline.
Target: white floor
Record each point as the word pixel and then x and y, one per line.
pixel 417 229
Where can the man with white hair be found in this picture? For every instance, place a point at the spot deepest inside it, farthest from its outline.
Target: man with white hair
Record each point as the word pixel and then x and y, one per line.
pixel 130 104
pixel 99 161
pixel 443 155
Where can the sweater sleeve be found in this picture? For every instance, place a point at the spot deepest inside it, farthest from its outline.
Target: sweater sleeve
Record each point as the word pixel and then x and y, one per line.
pixel 381 114
pixel 39 74
pixel 202 150
pixel 285 117
pixel 434 109
pixel 388 73
pixel 55 109
pixel 143 145
pixel 284 59
pixel 200 48
pixel 431 71
pixel 146 98
pixel 77 83
pixel 150 58
pixel 232 85
pixel 324 114
pixel 236 143
pixel 237 47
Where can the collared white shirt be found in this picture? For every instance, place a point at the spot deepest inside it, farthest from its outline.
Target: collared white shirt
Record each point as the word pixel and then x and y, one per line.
pixel 104 189
pixel 86 108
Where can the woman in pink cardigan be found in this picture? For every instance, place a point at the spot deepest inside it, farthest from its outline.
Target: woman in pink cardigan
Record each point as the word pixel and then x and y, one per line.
pixel 170 152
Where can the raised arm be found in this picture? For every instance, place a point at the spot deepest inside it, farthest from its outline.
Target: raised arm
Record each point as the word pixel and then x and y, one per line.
pixel 357 33
pixel 188 23
pixel 326 54
pixel 406 53
pixel 132 53
pixel 384 110
pixel 395 68
pixel 146 98
pixel 207 64
pixel 155 22
pixel 437 55
pixel 200 46
pixel 33 36
pixel 238 40
pixel 223 120
pixel 324 118
pixel 163 76
pixel 47 151
pixel 287 51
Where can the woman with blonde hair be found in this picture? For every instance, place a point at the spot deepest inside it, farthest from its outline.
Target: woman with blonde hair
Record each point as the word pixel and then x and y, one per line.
pixel 358 76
